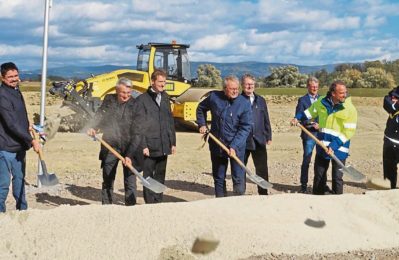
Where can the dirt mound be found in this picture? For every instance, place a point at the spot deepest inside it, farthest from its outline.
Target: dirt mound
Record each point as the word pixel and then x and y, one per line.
pixel 245 226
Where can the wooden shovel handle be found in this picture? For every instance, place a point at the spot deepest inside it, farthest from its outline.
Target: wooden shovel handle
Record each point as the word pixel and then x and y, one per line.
pixel 313 137
pixel 114 152
pixel 226 150
pixel 36 137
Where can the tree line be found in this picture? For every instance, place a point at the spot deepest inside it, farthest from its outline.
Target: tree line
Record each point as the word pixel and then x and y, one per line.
pixel 370 74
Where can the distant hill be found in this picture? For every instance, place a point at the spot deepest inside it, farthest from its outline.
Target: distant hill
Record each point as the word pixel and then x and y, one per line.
pixel 256 68
pixel 69 72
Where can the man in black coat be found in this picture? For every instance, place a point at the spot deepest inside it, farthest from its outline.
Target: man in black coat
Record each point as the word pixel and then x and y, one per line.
pixel 391 137
pixel 114 118
pixel 261 131
pixel 154 124
pixel 308 143
pixel 15 138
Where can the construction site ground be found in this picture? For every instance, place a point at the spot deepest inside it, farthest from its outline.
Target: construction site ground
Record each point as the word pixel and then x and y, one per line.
pixel 71 222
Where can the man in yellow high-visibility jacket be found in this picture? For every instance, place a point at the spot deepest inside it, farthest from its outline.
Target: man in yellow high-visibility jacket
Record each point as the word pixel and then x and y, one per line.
pixel 337 124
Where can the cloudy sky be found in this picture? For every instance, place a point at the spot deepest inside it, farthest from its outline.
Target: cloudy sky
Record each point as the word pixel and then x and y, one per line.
pixel 98 32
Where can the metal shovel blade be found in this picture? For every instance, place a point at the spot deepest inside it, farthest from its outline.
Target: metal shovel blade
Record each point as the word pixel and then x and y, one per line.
pixel 353 173
pixel 47 179
pixel 149 182
pixel 154 185
pixel 259 181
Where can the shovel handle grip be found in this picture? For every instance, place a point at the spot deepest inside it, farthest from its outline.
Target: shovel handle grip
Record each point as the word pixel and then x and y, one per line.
pixel 36 137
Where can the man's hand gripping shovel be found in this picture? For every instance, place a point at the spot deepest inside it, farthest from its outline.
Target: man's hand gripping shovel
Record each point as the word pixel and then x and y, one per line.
pixel 148 182
pixel 253 177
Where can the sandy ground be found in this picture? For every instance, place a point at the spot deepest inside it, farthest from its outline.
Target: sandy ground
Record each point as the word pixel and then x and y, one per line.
pixel 357 226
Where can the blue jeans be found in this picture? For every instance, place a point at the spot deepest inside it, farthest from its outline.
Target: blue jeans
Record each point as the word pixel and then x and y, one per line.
pixel 308 146
pixel 219 168
pixel 12 164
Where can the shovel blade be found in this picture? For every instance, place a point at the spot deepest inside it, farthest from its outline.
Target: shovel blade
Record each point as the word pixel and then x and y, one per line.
pixel 259 181
pixel 48 179
pixel 149 182
pixel 153 185
pixel 353 173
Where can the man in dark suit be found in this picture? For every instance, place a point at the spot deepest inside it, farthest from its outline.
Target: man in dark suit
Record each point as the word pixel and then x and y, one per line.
pixel 154 124
pixel 308 144
pixel 114 119
pixel 261 131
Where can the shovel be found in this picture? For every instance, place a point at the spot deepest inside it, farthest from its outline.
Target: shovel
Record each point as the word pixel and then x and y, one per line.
pixel 349 170
pixel 46 179
pixel 148 182
pixel 253 177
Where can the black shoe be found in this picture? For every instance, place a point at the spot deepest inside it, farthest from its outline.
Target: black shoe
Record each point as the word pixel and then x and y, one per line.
pixel 327 190
pixel 304 189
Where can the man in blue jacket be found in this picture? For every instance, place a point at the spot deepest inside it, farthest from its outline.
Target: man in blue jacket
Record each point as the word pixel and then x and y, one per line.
pixel 308 143
pixel 15 138
pixel 261 131
pixel 231 124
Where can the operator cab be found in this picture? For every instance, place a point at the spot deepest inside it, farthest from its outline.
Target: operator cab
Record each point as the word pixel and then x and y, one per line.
pixel 172 58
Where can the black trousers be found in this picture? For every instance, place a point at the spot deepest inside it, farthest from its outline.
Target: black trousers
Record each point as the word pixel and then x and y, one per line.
pixel 154 167
pixel 109 165
pixel 390 159
pixel 320 176
pixel 259 157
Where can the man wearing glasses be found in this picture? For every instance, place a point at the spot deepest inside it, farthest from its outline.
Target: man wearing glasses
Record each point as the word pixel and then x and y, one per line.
pixel 261 131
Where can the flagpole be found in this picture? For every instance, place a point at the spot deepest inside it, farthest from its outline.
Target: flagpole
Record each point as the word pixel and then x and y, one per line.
pixel 44 74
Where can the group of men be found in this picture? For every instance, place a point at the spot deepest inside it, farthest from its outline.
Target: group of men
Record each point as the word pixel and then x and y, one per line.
pixel 333 119
pixel 241 122
pixel 142 130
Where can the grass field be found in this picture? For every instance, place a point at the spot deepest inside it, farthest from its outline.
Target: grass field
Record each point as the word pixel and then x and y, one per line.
pixel 356 92
pixel 31 86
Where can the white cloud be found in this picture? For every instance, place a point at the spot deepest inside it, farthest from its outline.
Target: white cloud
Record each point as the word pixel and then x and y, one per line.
pixel 307 48
pixel 339 23
pixel 7 8
pixel 146 6
pixel 373 21
pixel 27 50
pixel 263 38
pixel 212 42
pixel 22 10
pixel 92 11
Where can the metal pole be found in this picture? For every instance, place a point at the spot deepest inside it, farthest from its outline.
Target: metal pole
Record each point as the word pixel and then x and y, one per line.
pixel 44 74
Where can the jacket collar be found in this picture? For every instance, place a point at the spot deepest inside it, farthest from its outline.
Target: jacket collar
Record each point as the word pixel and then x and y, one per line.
pixel 11 90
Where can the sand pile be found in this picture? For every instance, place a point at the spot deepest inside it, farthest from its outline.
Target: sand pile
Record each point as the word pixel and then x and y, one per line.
pixel 245 226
